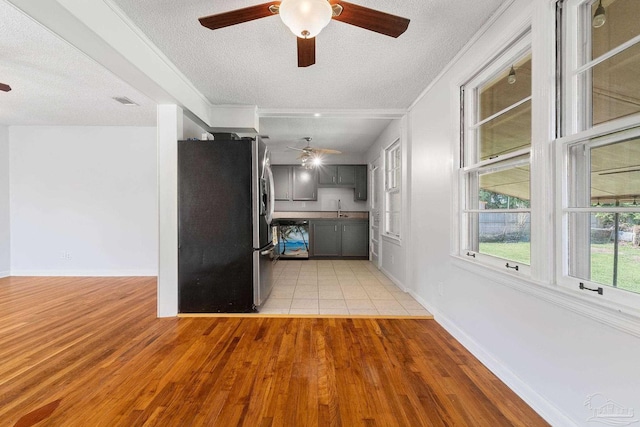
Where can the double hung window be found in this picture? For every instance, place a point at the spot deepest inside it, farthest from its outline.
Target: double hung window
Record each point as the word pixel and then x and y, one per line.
pixel 495 172
pixel 600 148
pixel 393 198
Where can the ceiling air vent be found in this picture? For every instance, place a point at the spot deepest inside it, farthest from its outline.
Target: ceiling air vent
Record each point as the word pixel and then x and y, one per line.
pixel 124 100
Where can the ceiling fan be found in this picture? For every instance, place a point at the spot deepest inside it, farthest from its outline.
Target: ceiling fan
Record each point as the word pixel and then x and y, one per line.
pixel 306 18
pixel 311 156
pixel 4 87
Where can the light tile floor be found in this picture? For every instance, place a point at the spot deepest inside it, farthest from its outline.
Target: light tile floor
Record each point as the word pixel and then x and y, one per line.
pixel 337 287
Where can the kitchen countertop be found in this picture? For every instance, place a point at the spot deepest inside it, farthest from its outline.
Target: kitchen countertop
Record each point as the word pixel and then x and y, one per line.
pixel 321 215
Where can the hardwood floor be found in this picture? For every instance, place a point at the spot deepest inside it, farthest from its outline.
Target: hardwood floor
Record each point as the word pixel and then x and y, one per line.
pixel 90 352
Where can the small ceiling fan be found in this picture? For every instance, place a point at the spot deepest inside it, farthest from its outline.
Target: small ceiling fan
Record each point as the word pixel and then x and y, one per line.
pixel 311 156
pixel 309 151
pixel 306 18
pixel 4 87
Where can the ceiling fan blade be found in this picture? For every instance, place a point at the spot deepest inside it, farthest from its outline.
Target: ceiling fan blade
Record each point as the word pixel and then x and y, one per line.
pixel 371 19
pixel 238 16
pixel 306 52
pixel 326 151
pixel 4 87
pixel 294 148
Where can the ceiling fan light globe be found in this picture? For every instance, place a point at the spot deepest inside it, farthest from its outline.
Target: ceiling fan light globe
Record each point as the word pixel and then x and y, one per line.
pixel 305 18
pixel 599 17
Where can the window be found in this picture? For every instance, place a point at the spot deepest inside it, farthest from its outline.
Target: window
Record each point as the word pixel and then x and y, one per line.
pixel 393 198
pixel 602 57
pixel 495 174
pixel 599 154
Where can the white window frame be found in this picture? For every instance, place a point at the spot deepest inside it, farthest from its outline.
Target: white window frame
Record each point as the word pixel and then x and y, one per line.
pixel 577 100
pixel 519 47
pixel 548 187
pixel 576 107
pixel 392 185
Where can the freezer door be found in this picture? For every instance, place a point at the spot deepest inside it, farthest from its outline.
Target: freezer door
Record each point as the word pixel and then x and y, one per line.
pixel 263 262
pixel 216 237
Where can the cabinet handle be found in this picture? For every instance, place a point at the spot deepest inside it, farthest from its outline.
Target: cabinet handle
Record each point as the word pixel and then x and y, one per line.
pixel 335 228
pixel 344 228
pixel 333 179
pixel 340 179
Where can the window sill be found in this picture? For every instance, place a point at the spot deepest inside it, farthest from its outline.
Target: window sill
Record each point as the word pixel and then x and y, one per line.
pixel 392 239
pixel 625 319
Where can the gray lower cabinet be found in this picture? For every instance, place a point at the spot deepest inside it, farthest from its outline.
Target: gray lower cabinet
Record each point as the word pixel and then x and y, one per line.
pixel 355 238
pixel 340 238
pixel 326 238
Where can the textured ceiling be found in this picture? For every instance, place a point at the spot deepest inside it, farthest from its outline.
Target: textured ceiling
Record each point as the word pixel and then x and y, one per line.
pixel 349 135
pixel 252 64
pixel 255 62
pixel 55 84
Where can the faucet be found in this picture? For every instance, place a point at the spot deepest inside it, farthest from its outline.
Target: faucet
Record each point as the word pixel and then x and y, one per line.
pixel 339 209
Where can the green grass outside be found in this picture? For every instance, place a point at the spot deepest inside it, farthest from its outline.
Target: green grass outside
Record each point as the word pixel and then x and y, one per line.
pixel 628 265
pixel 601 261
pixel 517 252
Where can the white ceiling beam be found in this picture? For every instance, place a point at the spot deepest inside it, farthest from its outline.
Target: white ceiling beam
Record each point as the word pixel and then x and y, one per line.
pixel 332 114
pixel 104 33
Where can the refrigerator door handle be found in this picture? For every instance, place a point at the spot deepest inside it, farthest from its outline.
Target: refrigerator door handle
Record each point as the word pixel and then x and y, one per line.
pixel 272 196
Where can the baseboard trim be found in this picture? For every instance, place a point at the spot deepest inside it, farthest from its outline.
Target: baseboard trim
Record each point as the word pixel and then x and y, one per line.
pixel 539 404
pixel 5 274
pixel 84 273
pixel 397 282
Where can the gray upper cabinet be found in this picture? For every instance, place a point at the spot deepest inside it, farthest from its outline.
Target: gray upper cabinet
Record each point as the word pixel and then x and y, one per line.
pixel 328 175
pixel 282 182
pixel 360 192
pixel 346 175
pixel 337 175
pixel 293 182
pixel 305 183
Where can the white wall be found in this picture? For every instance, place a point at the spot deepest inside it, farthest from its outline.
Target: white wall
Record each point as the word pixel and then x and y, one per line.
pixel 392 252
pixel 83 201
pixel 5 250
pixel 551 356
pixel 191 129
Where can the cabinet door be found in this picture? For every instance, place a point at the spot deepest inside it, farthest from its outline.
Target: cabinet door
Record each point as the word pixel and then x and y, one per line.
pixel 282 182
pixel 360 192
pixel 328 175
pixel 346 175
pixel 326 238
pixel 305 183
pixel 355 238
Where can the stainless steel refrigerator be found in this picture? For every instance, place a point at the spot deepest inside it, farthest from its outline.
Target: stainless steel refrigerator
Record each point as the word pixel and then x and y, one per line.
pixel 226 246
